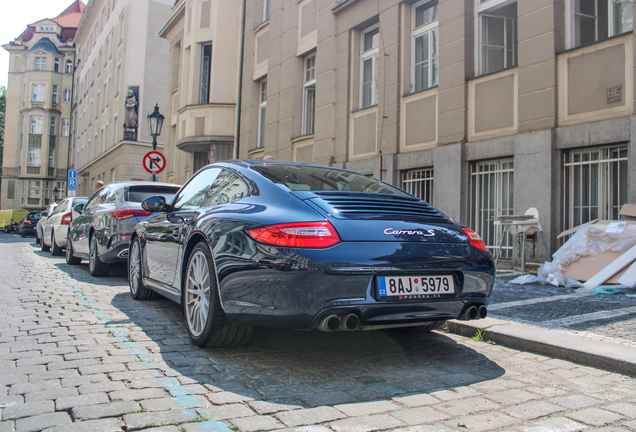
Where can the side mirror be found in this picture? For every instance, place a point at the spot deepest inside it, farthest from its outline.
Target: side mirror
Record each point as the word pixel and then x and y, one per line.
pixel 154 204
pixel 44 214
pixel 78 208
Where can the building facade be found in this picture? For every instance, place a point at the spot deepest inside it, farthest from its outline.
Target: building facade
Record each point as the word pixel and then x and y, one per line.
pixel 121 75
pixel 38 111
pixel 482 107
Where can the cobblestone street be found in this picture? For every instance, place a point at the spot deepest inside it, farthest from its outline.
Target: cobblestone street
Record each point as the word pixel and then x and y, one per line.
pixel 78 354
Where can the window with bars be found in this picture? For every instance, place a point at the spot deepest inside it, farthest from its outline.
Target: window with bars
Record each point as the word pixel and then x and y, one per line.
pixel 419 182
pixel 425 45
pixel 492 195
pixel 595 184
pixel 309 94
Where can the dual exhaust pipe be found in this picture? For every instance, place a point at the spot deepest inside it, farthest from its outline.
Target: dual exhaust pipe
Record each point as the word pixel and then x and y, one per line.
pixel 473 312
pixel 331 323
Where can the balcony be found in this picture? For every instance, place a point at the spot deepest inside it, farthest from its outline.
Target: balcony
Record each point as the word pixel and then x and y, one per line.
pixel 33 170
pixel 33 201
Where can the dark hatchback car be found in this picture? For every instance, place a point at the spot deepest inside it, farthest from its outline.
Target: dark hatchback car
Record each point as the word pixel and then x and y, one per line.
pixel 249 244
pixel 101 232
pixel 29 224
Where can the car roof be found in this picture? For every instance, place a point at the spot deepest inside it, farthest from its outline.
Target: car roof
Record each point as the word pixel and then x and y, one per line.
pixel 119 184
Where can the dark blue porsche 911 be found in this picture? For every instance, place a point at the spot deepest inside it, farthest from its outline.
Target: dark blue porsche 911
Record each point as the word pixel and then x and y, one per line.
pixel 248 244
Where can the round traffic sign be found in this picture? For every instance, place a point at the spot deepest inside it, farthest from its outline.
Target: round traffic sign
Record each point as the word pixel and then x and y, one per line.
pixel 154 162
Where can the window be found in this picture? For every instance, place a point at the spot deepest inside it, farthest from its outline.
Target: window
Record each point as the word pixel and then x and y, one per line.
pixel 56 64
pixel 262 105
pixel 266 10
pixel 492 195
pixel 34 157
pixel 593 20
pixel 121 28
pixel 419 183
pixel 425 46
pixel 65 127
pixel 46 28
pixel 227 188
pixel 39 63
pixel 54 95
pixel 38 93
pixel 595 184
pixel 309 94
pixel 67 95
pixel 206 61
pixel 369 67
pixel 34 188
pixel 51 158
pixel 36 125
pixel 53 126
pixel 192 195
pixel 69 66
pixel 497 33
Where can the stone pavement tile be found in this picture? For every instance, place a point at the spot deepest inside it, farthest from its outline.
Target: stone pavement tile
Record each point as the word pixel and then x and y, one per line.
pixel 50 394
pixel 30 387
pixel 274 406
pixel 74 381
pixel 49 375
pixel 309 416
pixel 106 425
pixel 6 401
pixel 563 364
pixel 546 391
pixel 326 398
pixel 612 429
pixel 630 424
pixel 73 364
pixel 417 416
pixel 41 360
pixel 190 389
pixel 227 397
pixel 13 379
pixel 574 401
pixel 595 416
pixel 128 395
pixel 7 426
pixel 257 423
pixel 466 406
pixel 224 412
pixel 153 382
pixel 417 400
pixel 589 381
pixel 310 429
pixel 141 420
pixel 104 386
pixel 367 408
pixel 207 426
pixel 533 410
pixel 102 368
pixel 182 402
pixel 27 410
pixel 66 403
pixel 628 410
pixel 566 373
pixel 554 424
pixel 483 422
pixel 366 423
pixel 512 397
pixel 170 428
pixel 286 391
pixel 455 393
pixel 37 423
pixel 135 375
pixel 111 409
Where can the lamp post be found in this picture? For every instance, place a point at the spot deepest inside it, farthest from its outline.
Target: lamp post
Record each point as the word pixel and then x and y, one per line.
pixel 55 192
pixel 155 122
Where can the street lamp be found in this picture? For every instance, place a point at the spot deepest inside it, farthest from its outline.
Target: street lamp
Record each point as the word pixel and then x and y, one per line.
pixel 55 192
pixel 155 122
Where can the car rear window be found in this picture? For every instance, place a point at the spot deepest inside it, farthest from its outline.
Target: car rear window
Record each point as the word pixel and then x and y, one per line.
pixel 140 193
pixel 315 179
pixel 35 215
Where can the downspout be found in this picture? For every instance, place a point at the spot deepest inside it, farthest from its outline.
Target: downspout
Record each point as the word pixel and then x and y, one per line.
pixel 240 86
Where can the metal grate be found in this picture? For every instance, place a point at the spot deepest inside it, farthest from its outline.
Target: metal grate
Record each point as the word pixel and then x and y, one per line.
pixel 492 194
pixel 419 183
pixel 595 184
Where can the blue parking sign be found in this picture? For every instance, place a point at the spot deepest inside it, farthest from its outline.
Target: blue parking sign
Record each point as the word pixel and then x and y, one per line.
pixel 72 184
pixel 72 174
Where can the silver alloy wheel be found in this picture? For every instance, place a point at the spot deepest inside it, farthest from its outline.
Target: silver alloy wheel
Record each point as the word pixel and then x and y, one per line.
pixel 197 296
pixel 135 267
pixel 92 254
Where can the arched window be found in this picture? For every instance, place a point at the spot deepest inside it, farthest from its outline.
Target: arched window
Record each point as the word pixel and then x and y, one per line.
pixel 69 66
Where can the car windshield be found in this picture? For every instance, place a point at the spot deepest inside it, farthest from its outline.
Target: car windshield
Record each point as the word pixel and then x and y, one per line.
pixel 140 193
pixel 315 179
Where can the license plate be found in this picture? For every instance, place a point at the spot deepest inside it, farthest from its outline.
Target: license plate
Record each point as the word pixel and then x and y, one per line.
pixel 414 287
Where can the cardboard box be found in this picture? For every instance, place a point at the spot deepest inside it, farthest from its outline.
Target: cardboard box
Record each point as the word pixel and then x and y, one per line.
pixel 628 212
pixel 587 266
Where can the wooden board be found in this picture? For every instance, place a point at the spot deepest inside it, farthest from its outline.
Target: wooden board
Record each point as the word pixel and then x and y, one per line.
pixel 614 267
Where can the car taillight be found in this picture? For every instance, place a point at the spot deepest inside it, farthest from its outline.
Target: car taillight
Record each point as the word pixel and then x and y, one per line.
pixel 67 218
pixel 475 240
pixel 26 221
pixel 125 214
pixel 316 235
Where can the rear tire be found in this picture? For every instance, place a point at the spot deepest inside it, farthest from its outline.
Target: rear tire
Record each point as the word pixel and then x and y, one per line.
pixel 96 266
pixel 206 322
pixel 428 327
pixel 22 233
pixel 43 245
pixel 70 258
pixel 135 282
pixel 55 249
pixel 37 237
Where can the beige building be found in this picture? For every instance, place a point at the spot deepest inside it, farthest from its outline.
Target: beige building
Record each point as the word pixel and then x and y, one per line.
pixel 38 111
pixel 204 38
pixel 121 74
pixel 481 107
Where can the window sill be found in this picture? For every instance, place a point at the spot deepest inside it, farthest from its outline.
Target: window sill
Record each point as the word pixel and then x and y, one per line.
pixel 594 43
pixel 302 137
pixel 260 26
pixel 491 73
pixel 419 91
pixel 365 108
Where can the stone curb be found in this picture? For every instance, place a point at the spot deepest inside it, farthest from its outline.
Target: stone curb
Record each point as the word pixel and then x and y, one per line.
pixel 551 342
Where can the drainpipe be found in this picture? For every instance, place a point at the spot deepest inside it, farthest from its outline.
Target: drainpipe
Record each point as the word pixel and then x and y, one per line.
pixel 240 86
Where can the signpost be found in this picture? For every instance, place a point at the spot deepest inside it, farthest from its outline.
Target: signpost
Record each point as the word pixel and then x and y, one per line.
pixel 72 183
pixel 154 162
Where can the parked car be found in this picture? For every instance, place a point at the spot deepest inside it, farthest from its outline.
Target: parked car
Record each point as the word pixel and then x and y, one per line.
pixel 55 227
pixel 28 224
pixel 101 232
pixel 10 219
pixel 43 217
pixel 249 244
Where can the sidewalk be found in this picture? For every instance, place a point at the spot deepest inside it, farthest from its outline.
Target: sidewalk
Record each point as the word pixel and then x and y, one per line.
pixel 597 330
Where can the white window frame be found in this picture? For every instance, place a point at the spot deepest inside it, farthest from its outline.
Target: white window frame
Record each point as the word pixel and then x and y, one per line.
pixel 35 125
pixel 51 157
pixel 429 28
pixel 372 54
pixel 68 68
pixel 309 100
pixel 570 22
pixel 34 188
pixel 53 127
pixel 39 63
pixel 54 94
pixel 266 10
pixel 66 127
pixel 67 95
pixel 35 155
pixel 46 28
pixel 480 9
pixel 56 64
pixel 419 182
pixel 38 96
pixel 262 112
